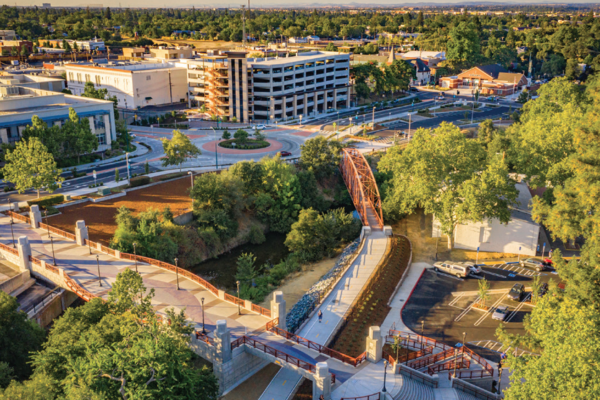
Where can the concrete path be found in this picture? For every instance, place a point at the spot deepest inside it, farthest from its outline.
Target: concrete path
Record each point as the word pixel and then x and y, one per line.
pixel 83 268
pixel 335 306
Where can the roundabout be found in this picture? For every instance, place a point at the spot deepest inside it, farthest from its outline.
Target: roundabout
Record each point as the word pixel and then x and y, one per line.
pixel 211 146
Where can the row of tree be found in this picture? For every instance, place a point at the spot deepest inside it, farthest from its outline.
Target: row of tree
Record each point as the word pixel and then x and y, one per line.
pixel 374 77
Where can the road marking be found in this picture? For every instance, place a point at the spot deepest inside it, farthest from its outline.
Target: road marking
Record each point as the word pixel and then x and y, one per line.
pixel 516 310
pixel 284 382
pixel 453 302
pixel 491 273
pixel 462 314
pixel 488 312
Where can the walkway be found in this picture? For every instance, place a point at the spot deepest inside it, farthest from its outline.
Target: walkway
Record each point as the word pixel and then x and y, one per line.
pixel 83 268
pixel 335 306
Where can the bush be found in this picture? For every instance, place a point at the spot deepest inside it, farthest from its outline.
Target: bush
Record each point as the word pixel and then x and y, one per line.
pixel 8 188
pixel 256 235
pixel 139 181
pixel 47 201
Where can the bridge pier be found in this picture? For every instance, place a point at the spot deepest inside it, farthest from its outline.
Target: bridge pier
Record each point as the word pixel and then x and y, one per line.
pixel 374 344
pixel 35 216
pixel 81 232
pixel 222 342
pixel 278 309
pixel 24 249
pixel 322 382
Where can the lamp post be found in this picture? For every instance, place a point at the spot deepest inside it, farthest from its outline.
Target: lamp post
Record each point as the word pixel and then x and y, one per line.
pixel 373 117
pixel 127 160
pixel 422 326
pixel 135 256
pixel 48 226
pixel 216 148
pixel 98 264
pixel 52 244
pixel 238 295
pixel 385 364
pixel 191 178
pixel 177 272
pixel 203 330
pixel 88 240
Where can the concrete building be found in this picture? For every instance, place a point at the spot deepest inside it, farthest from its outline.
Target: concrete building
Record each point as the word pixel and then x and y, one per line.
pixel 134 85
pixel 488 79
pixel 269 89
pixel 94 44
pixel 171 53
pixel 518 236
pixel 55 84
pixel 8 35
pixel 431 58
pixel 18 105
pixel 7 46
pixel 134 52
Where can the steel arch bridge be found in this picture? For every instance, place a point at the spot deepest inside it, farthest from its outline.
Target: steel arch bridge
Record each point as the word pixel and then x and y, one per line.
pixel 362 187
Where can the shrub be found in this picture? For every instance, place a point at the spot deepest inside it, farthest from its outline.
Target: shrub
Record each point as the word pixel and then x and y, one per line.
pixel 139 181
pixel 256 235
pixel 44 202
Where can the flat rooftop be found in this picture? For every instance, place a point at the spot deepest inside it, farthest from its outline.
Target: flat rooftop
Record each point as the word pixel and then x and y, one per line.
pixel 126 67
pixel 302 57
pixel 21 100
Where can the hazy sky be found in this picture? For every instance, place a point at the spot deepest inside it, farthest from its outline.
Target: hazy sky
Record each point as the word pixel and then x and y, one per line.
pixel 236 3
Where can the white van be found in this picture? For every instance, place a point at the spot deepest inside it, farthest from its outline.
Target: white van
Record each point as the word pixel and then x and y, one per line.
pixel 452 268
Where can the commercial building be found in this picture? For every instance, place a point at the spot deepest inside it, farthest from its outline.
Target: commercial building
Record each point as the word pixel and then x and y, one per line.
pixel 488 79
pixel 134 85
pixel 7 46
pixel 18 105
pixel 134 52
pixel 171 53
pixel 262 89
pixel 55 84
pixel 519 236
pixel 8 35
pixel 431 58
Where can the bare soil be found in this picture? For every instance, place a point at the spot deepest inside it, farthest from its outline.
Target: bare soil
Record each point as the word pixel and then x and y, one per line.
pixel 100 217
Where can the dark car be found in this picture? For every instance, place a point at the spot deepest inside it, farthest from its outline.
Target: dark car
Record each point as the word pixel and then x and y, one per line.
pixel 414 89
pixel 285 153
pixel 517 291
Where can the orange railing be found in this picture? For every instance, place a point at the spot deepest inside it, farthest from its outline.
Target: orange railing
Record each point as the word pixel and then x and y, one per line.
pixel 487 370
pixel 9 249
pixel 432 359
pixel 449 365
pixel 272 327
pixel 248 341
pixel 78 290
pixel 19 217
pixel 205 338
pixel 57 231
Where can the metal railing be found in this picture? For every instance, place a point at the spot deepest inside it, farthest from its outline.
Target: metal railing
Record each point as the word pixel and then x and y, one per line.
pixel 432 359
pixel 374 396
pixel 449 365
pixel 418 376
pixel 205 338
pixel 45 301
pixel 474 390
pixel 19 217
pixel 354 361
pixel 9 249
pixel 78 290
pixel 57 231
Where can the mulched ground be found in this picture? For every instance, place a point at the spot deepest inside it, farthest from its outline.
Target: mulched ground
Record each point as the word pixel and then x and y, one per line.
pixel 100 217
pixel 371 308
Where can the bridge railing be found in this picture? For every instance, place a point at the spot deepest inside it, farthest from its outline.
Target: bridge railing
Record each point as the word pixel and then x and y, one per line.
pixel 374 396
pixel 449 365
pixel 57 231
pixel 19 217
pixel 9 249
pixel 248 341
pixel 354 361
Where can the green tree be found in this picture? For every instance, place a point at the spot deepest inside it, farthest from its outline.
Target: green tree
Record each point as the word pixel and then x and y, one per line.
pixel 30 166
pixel 101 94
pixel 241 136
pixel 19 337
pixel 178 149
pixel 447 174
pixel 78 136
pixel 572 70
pixel 52 137
pixel 554 66
pixel 128 293
pixel 463 45
pixel 321 156
pixel 226 135
pixel 486 132
pixel 246 271
pixel 483 291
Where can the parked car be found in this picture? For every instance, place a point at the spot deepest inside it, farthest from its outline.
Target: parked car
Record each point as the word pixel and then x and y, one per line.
pixel 517 292
pixel 452 268
pixel 474 268
pixel 533 263
pixel 285 153
pixel 259 127
pixel 500 313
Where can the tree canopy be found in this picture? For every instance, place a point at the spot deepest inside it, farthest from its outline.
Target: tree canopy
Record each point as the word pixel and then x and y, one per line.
pixel 178 149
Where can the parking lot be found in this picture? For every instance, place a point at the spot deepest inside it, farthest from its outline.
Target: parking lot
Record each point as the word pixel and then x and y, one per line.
pixel 445 303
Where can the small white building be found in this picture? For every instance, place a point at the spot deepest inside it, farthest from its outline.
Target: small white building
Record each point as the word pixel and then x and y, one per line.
pixel 94 44
pixel 519 236
pixel 34 81
pixel 134 85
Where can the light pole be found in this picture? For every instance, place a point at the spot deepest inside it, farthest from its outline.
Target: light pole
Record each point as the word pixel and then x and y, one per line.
pixel 127 160
pixel 177 272
pixel 98 264
pixel 422 326
pixel 216 148
pixel 135 256
pixel 203 330
pixel 11 223
pixel 385 364
pixel 409 124
pixel 52 244
pixel 48 226
pixel 373 117
pixel 191 178
pixel 301 119
pixel 238 295
pixel 88 239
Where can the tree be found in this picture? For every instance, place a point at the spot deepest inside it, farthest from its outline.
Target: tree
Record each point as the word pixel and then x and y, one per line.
pixel 241 136
pixel 101 94
pixel 78 136
pixel 486 132
pixel 19 336
pixel 463 45
pixel 30 165
pixel 321 156
pixel 331 47
pixel 52 137
pixel 178 149
pixel 128 293
pixel 535 289
pixel 246 270
pixel 226 135
pixel 450 177
pixel 554 66
pixel 572 70
pixel 483 291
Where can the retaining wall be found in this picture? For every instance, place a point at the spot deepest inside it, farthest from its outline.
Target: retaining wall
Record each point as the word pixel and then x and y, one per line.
pixel 244 363
pixel 15 282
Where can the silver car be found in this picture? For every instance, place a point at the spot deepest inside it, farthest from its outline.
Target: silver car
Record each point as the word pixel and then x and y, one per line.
pixel 500 313
pixel 536 264
pixel 473 267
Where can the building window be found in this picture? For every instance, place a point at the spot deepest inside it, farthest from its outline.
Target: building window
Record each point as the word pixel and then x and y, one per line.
pixel 148 77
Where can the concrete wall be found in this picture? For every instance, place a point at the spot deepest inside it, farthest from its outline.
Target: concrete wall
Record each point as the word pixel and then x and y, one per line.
pixel 163 86
pixel 241 367
pixel 184 218
pixel 15 282
pixel 5 255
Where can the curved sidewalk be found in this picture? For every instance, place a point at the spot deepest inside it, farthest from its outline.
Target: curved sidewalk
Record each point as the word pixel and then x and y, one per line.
pixel 334 308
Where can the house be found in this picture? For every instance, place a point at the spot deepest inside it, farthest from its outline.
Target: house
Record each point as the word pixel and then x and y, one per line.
pixel 133 52
pixel 488 79
pixel 171 53
pixel 431 58
pixel 519 236
pixel 297 40
pixel 422 70
pixel 8 35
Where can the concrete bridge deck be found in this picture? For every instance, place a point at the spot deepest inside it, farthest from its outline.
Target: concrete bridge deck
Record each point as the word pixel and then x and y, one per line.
pixel 82 267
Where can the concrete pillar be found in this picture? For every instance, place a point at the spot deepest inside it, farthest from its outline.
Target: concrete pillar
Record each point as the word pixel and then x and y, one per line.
pixel 325 101
pixel 316 102
pixel 387 230
pixel 305 105
pixel 272 110
pixel 24 252
pixel 322 382
pixel 35 216
pixel 295 115
pixel 81 232
pixel 374 344
pixel 222 342
pixel 366 231
pixel 278 309
pixel 348 97
pixel 284 108
pixel 335 99
pixel 107 130
pixel 15 207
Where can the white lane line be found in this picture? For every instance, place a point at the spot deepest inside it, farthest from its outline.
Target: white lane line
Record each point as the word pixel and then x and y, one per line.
pixel 490 311
pixel 491 273
pixel 453 302
pixel 516 310
pixel 462 314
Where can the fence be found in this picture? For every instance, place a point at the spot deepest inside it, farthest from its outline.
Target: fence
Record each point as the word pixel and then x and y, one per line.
pixel 19 217
pixel 374 396
pixel 473 390
pixel 315 346
pixel 248 341
pixel 415 354
pixel 450 365
pixel 9 249
pixel 49 267
pixel 205 338
pixel 418 376
pixel 57 231
pixel 427 361
pixel 46 300
pixel 487 370
pixel 78 290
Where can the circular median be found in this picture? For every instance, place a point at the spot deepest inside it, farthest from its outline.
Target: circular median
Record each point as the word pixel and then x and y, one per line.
pixel 211 146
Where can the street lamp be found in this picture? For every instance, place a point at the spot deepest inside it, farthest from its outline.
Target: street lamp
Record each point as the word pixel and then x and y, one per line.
pixel 203 330
pixel 422 326
pixel 127 160
pixel 98 264
pixel 177 272
pixel 385 364
pixel 11 223
pixel 52 244
pixel 191 178
pixel 216 148
pixel 373 117
pixel 238 295
pixel 135 256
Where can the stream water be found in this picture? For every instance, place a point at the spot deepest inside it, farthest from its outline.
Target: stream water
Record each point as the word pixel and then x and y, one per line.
pixel 221 271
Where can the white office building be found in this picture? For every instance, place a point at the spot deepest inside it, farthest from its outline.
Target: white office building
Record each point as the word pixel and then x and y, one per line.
pixel 18 105
pixel 134 85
